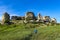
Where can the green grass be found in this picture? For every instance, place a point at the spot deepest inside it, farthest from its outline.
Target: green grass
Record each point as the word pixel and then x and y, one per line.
pixel 48 33
pixel 22 32
pixel 8 32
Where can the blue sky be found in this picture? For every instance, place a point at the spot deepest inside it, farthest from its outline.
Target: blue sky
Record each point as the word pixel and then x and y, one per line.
pixel 20 7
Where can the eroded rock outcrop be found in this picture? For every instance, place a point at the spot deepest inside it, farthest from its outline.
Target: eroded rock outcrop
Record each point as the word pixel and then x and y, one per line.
pixel 5 18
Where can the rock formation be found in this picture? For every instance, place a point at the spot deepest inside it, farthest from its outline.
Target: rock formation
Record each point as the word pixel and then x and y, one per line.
pixel 46 19
pixel 29 16
pixel 53 20
pixel 16 18
pixel 39 18
pixel 5 18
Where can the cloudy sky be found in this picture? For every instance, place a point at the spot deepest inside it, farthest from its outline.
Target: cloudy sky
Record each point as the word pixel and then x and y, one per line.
pixel 20 7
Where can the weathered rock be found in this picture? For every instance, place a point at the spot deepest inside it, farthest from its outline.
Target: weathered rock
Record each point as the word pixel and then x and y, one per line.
pixel 29 16
pixel 46 19
pixel 23 18
pixel 5 18
pixel 40 18
pixel 53 20
pixel 16 18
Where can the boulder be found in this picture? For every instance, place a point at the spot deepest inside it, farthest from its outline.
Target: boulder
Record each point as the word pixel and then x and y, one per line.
pixel 5 18
pixel 40 18
pixel 46 19
pixel 29 16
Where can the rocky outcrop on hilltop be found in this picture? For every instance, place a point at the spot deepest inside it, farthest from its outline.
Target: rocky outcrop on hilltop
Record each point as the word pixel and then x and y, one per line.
pixel 5 18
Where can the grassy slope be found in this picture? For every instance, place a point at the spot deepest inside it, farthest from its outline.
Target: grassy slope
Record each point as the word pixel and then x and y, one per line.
pixel 13 33
pixel 48 33
pixel 10 32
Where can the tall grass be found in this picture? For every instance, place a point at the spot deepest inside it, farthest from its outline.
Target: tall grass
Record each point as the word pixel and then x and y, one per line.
pixel 25 32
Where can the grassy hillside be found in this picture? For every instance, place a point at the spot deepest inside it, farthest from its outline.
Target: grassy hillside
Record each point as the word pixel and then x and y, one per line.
pixel 48 33
pixel 25 32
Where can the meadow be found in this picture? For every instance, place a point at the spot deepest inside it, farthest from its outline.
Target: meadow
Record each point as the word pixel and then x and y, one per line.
pixel 26 32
